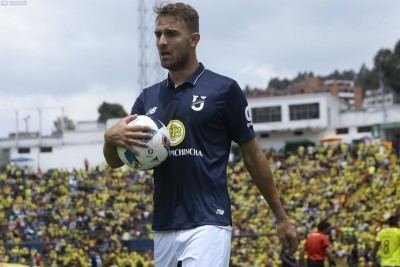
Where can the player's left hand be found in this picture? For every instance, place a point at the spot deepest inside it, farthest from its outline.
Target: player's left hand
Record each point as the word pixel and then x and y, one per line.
pixel 288 236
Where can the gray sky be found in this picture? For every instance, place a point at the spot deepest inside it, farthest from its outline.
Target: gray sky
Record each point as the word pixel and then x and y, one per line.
pixel 76 54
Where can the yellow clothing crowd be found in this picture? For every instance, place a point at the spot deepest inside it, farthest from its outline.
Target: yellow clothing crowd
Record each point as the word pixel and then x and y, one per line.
pixel 74 215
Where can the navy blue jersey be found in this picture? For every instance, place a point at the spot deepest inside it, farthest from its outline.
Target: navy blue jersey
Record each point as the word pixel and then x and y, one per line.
pixel 204 115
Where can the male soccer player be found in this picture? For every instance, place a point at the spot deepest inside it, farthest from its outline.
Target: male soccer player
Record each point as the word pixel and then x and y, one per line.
pixel 388 244
pixel 204 112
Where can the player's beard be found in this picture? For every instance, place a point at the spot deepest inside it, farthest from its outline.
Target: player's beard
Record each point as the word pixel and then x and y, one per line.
pixel 180 62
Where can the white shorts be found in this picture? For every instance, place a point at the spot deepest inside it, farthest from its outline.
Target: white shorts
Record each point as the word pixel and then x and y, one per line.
pixel 203 246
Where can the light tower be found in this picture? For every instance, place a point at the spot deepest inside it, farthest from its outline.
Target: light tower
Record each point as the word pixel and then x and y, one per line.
pixel 150 70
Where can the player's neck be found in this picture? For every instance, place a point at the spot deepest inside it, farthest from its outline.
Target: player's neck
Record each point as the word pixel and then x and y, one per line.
pixel 181 75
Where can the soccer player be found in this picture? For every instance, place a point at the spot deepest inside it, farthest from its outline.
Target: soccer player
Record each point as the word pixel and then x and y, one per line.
pixel 317 247
pixel 388 244
pixel 204 112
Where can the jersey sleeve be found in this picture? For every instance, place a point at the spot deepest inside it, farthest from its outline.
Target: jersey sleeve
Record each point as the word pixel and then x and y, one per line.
pixel 138 106
pixel 238 115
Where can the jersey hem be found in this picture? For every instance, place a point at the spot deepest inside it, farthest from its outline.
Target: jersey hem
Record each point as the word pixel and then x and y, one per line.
pixel 186 227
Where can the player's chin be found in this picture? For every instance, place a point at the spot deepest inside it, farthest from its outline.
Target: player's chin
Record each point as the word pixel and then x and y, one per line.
pixel 172 65
pixel 166 64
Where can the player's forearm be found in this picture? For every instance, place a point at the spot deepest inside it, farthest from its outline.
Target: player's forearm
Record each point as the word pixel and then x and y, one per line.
pixel 265 183
pixel 258 167
pixel 111 155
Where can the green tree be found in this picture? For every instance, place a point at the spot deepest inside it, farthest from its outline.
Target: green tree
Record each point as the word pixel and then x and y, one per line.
pixel 301 76
pixel 382 59
pixel 366 78
pixel 279 84
pixel 349 75
pixel 110 110
pixel 391 69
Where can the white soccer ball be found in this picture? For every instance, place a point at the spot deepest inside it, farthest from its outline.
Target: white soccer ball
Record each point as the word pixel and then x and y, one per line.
pixel 158 145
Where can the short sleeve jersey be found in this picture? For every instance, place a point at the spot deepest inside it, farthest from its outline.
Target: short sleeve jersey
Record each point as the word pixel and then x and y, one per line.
pixel 203 115
pixel 389 249
pixel 315 246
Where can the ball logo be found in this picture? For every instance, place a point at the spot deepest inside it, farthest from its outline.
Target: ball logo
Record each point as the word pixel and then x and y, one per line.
pixel 176 132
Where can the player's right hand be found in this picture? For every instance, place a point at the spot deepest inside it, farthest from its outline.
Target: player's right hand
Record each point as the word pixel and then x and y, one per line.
pixel 288 236
pixel 125 135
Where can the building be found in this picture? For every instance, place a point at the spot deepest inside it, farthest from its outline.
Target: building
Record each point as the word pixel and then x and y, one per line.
pixel 379 98
pixel 350 96
pixel 67 150
pixel 279 121
pixel 283 120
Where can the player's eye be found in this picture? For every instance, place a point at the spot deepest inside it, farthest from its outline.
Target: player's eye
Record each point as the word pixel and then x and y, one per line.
pixel 171 33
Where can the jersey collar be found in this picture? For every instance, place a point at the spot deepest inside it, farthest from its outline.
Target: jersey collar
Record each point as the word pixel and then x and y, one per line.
pixel 191 80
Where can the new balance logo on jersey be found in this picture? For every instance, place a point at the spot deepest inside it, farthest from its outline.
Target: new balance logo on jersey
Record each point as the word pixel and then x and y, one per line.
pixel 198 104
pixel 151 111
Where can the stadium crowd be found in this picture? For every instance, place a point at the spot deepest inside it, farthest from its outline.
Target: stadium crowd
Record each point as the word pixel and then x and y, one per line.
pixel 70 218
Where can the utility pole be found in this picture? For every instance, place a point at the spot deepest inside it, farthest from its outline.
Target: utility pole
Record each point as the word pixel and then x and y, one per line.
pixel 383 99
pixel 150 70
pixel 40 137
pixel 26 120
pixel 16 127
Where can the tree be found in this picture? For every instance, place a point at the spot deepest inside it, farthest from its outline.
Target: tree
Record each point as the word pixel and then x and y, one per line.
pixel 382 60
pixel 301 76
pixel 387 63
pixel 366 78
pixel 110 110
pixel 349 75
pixel 63 123
pixel 391 71
pixel 276 83
pixel 392 74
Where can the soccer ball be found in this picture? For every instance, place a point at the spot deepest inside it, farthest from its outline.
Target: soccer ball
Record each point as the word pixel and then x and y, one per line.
pixel 158 145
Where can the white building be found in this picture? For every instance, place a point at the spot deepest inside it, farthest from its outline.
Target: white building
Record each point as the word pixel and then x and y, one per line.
pixel 379 98
pixel 278 121
pixel 68 150
pixel 284 120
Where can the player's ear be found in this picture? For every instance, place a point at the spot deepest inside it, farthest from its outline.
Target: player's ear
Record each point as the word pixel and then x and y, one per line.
pixel 194 39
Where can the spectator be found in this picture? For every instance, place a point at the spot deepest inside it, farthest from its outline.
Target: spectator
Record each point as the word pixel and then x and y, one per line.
pixel 317 246
pixel 388 244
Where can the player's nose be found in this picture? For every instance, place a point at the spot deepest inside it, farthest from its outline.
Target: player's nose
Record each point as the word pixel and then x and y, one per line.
pixel 162 40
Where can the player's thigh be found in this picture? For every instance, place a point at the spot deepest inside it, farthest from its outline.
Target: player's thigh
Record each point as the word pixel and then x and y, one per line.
pixel 208 246
pixel 165 249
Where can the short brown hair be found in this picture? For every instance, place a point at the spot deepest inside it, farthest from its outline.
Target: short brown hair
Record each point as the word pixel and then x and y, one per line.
pixel 180 10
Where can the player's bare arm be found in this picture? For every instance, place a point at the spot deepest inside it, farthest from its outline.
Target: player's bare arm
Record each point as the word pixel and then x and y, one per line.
pixel 258 167
pixel 121 134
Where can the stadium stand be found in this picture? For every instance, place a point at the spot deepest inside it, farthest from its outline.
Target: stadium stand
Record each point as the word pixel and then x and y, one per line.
pixel 63 218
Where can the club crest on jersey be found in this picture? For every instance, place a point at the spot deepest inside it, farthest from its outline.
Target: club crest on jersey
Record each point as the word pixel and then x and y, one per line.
pixel 198 104
pixel 177 132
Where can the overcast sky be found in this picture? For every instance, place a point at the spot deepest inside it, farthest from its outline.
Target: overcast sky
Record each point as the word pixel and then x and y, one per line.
pixel 77 54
